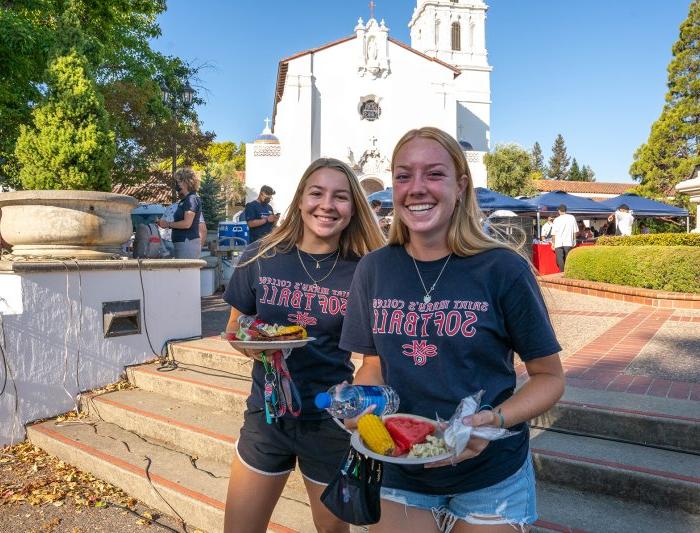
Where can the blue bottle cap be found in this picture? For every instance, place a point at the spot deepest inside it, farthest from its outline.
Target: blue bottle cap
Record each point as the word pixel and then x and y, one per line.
pixel 323 400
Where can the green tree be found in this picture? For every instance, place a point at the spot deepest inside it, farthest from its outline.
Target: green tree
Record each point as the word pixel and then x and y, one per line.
pixel 213 201
pixel 115 38
pixel 509 169
pixel 672 149
pixel 558 168
pixel 538 159
pixel 574 172
pixel 586 173
pixel 232 186
pixel 70 145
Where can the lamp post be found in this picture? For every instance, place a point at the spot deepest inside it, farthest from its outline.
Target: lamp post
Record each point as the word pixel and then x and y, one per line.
pixel 176 100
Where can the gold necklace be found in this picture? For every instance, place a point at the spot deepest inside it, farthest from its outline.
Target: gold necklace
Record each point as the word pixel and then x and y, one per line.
pixel 318 261
pixel 317 281
pixel 427 297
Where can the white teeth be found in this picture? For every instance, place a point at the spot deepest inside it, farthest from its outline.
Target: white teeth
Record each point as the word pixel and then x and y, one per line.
pixel 421 207
pixel 325 219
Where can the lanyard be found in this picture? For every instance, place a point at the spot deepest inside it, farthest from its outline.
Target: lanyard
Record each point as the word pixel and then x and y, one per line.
pixel 281 395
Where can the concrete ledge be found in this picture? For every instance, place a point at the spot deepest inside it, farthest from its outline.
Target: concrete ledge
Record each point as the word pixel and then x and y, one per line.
pixel 654 298
pixel 23 266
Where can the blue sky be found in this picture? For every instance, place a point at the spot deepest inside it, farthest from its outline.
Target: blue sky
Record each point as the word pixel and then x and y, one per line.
pixel 594 70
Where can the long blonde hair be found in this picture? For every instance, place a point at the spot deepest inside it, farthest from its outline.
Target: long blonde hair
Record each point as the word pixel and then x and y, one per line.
pixel 465 235
pixel 361 236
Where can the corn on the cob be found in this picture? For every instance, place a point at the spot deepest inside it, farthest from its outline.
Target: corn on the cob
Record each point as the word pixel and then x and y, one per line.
pixel 375 434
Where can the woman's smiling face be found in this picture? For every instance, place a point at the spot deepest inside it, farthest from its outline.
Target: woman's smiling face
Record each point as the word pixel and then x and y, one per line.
pixel 426 188
pixel 326 204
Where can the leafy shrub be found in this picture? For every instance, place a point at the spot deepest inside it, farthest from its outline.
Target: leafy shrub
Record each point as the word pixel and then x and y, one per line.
pixel 667 268
pixel 653 239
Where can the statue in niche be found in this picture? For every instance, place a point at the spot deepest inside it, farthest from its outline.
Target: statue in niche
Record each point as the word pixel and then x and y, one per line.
pixel 371 49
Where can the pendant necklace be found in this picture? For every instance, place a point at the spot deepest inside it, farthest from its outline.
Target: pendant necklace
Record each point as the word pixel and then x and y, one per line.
pixel 427 297
pixel 317 281
pixel 319 261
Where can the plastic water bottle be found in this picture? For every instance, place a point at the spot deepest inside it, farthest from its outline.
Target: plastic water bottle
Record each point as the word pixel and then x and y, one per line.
pixel 348 401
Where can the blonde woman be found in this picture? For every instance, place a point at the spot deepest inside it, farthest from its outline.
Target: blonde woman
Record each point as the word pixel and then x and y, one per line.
pixel 438 314
pixel 299 273
pixel 185 225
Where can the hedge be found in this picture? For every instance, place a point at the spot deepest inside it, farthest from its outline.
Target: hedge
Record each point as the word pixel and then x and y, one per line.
pixel 652 239
pixel 666 268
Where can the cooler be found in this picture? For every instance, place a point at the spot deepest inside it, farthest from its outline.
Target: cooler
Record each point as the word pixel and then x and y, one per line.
pixel 233 235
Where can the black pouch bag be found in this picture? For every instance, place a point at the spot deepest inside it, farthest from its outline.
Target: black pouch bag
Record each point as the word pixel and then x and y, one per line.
pixel 353 495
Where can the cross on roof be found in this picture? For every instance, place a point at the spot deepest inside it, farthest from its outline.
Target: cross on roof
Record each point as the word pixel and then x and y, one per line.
pixel 267 122
pixel 372 5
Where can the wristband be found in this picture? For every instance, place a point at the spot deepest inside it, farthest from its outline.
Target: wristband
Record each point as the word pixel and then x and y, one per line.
pixel 501 419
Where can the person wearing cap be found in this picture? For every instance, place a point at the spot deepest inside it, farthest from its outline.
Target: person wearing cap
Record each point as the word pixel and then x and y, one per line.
pixel 259 215
pixel 564 229
pixel 546 231
pixel 623 220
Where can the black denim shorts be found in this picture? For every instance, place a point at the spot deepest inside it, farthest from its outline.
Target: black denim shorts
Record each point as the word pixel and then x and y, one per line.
pixel 273 449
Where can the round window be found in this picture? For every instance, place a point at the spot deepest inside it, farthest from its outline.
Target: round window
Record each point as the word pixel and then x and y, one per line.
pixel 370 110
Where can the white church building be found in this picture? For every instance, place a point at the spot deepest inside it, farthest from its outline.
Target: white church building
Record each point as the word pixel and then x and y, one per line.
pixel 353 98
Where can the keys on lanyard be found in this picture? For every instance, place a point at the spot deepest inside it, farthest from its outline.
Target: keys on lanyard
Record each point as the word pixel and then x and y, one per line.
pixel 280 393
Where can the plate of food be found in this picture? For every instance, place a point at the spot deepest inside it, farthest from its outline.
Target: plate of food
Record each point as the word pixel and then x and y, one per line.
pixel 254 334
pixel 400 438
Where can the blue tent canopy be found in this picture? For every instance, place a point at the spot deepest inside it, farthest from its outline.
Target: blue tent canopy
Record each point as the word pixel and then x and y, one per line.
pixel 575 205
pixel 492 201
pixel 488 201
pixel 645 207
pixel 384 197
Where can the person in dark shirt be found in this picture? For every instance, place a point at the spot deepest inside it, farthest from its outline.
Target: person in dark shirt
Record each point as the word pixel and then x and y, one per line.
pixel 185 225
pixel 300 273
pixel 259 215
pixel 438 315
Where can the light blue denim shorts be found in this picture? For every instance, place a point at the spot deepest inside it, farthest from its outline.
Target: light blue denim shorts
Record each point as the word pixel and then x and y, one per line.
pixel 511 501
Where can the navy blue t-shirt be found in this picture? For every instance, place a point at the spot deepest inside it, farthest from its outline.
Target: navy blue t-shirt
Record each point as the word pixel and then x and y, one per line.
pixel 255 211
pixel 278 290
pixel 483 308
pixel 193 203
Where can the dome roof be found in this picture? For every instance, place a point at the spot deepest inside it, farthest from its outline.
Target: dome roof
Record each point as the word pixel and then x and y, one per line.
pixel 266 138
pixel 466 145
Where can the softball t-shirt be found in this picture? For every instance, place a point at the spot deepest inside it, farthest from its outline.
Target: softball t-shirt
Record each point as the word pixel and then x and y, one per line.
pixel 278 290
pixel 483 309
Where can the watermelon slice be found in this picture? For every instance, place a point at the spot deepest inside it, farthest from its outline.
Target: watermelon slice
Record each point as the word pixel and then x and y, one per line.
pixel 407 431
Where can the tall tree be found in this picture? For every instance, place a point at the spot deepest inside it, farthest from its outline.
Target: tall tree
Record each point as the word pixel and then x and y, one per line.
pixel 538 159
pixel 213 201
pixel 672 149
pixel 70 145
pixel 558 168
pixel 574 172
pixel 509 169
pixel 587 173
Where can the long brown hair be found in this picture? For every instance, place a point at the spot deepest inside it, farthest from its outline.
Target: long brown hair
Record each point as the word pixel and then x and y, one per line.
pixel 465 235
pixel 361 236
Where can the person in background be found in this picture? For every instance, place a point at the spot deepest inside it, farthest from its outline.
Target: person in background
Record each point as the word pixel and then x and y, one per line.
pixel 311 256
pixel 546 232
pixel 259 215
pixel 186 218
pixel 644 229
pixel 407 315
pixel 623 220
pixel 609 226
pixel 564 229
pixel 166 234
pixel 383 222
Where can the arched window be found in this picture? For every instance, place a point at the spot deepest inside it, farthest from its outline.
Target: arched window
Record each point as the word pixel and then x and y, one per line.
pixel 456 36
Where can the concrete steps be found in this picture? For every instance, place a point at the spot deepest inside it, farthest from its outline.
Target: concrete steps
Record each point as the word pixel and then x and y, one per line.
pixel 585 483
pixel 169 479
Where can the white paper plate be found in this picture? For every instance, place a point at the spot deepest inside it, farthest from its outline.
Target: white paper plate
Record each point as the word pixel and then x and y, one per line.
pixel 359 445
pixel 267 345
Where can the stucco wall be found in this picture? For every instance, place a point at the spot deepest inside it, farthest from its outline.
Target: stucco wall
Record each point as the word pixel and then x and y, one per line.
pixel 54 341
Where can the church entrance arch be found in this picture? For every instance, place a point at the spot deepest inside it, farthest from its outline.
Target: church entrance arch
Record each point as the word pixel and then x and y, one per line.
pixel 371 184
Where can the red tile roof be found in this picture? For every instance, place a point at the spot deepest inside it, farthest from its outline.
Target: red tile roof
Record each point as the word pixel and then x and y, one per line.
pixel 156 190
pixel 588 187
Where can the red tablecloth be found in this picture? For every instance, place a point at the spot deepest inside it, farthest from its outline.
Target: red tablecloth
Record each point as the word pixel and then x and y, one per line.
pixel 545 260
